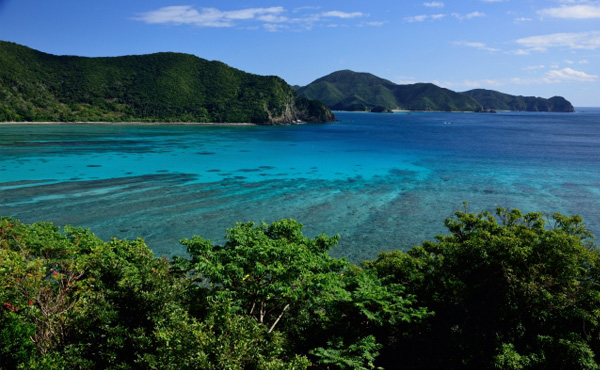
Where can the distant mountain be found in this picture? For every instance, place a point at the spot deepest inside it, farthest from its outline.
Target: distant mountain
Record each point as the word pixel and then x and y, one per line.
pixel 348 90
pixel 352 91
pixel 168 87
pixel 490 99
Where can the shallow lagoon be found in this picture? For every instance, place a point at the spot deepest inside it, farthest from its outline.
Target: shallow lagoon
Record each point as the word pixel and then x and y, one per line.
pixel 381 181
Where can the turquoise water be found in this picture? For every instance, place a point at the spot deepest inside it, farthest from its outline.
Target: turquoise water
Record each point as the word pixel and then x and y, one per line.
pixel 381 181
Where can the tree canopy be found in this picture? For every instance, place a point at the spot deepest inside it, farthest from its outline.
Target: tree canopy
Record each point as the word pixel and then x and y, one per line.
pixel 163 87
pixel 510 291
pixel 501 290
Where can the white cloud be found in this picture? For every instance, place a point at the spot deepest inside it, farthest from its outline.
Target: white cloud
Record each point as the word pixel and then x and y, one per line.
pixel 338 14
pixel 373 24
pixel 434 4
pixel 424 17
pixel 205 17
pixel 272 19
pixel 476 45
pixel 572 12
pixel 550 77
pixel 569 74
pixel 274 27
pixel 533 68
pixel 435 17
pixel 522 19
pixel 474 15
pixel 405 80
pixel 582 40
pixel 492 1
pixel 469 15
pixel 483 83
pixel 416 18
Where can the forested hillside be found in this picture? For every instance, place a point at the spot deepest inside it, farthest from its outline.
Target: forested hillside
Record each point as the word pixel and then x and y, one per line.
pixel 491 99
pixel 352 91
pixel 500 291
pixel 165 87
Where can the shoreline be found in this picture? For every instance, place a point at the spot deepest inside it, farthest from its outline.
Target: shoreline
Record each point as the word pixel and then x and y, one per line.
pixel 132 123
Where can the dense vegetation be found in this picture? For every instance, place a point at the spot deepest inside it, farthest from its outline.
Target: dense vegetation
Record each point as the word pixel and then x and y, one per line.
pixel 165 87
pixel 347 90
pixel 351 91
pixel 505 291
pixel 490 99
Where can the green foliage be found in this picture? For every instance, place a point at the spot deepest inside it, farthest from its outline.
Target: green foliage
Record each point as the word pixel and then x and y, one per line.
pixel 15 345
pixel 289 284
pixel 500 291
pixel 360 355
pixel 351 91
pixel 74 301
pixel 166 87
pixel 490 99
pixel 268 272
pixel 511 291
pixel 347 90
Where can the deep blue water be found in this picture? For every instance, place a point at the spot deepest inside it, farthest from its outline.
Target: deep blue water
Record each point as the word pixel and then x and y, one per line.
pixel 381 181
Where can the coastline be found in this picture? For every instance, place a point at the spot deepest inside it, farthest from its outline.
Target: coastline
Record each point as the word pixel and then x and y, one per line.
pixel 132 123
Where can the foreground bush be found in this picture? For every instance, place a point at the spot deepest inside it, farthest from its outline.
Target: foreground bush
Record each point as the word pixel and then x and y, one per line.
pixel 508 291
pixel 512 291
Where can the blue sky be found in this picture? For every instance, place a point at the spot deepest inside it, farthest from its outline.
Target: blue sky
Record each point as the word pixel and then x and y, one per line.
pixel 522 47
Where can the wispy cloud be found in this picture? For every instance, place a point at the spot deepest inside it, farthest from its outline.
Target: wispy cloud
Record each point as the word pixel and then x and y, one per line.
pixel 522 19
pixel 272 18
pixel 338 14
pixel 581 40
pixel 374 24
pixel 476 45
pixel 434 4
pixel 471 15
pixel 435 17
pixel 569 74
pixel 534 68
pixel 424 17
pixel 582 11
pixel 554 76
pixel 405 80
pixel 206 17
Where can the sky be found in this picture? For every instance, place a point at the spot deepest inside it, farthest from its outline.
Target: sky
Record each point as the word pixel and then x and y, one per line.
pixel 521 47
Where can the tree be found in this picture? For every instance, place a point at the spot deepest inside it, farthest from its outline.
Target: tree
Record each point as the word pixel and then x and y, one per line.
pixel 268 271
pixel 290 285
pixel 508 291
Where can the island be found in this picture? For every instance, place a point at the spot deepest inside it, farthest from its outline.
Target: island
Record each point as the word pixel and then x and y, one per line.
pixel 494 100
pixel 161 87
pixel 353 91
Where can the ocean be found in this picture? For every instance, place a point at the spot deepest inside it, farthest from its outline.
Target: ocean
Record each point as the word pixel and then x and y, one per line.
pixel 380 181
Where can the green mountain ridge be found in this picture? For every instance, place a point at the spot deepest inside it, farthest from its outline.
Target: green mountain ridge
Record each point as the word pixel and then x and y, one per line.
pixel 491 99
pixel 165 87
pixel 354 91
